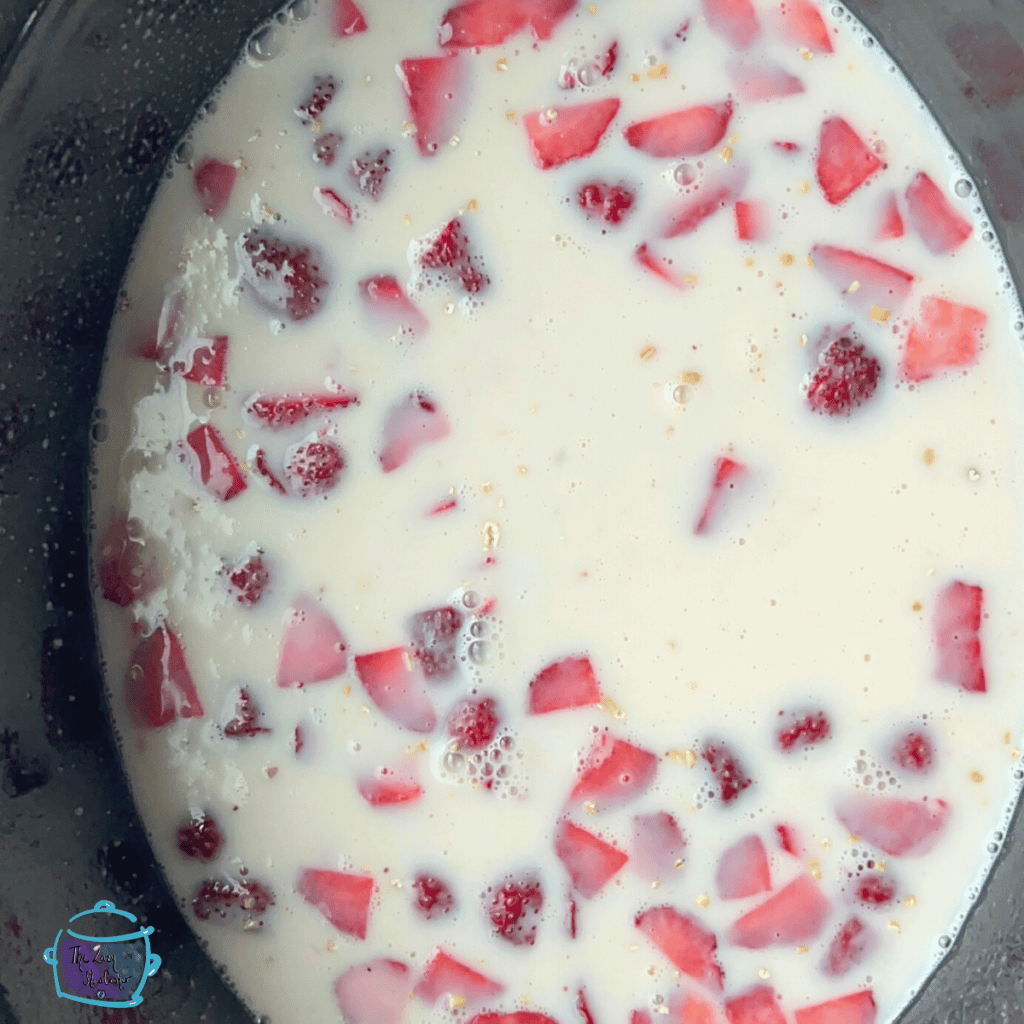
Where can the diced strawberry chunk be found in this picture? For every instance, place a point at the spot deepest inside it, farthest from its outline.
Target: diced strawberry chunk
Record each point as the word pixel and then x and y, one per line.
pixel 734 20
pixel 728 473
pixel 569 683
pixel 803 731
pixel 560 134
pixel 518 1017
pixel 284 277
pixel 390 785
pixel 244 718
pixel 214 182
pixel 846 377
pixel 342 898
pixel 891 223
pixel 758 1005
pixel 786 147
pixel 687 132
pixel 414 422
pixel 348 19
pixel 394 681
pixel 200 837
pixel 332 204
pixel 945 336
pixel 590 861
pixel 601 200
pixel 473 723
pixel 298 740
pixel 314 649
pixel 789 840
pixel 385 299
pixel 158 685
pixel 583 1007
pixel 433 898
pixel 212 463
pixel 659 266
pixel 434 639
pixel 743 869
pixel 127 571
pixel 865 281
pixel 900 828
pixel 261 464
pixel 444 975
pixel 248 579
pixel 313 468
pixel 435 90
pixel 851 944
pixel 451 254
pixel 751 221
pixel 711 197
pixel 694 1011
pixel 874 889
pixel 279 412
pixel 844 161
pixel 640 1017
pixel 444 505
pixel 376 992
pixel 236 903
pixel 957 625
pixel 325 151
pixel 659 846
pixel 614 772
pixel 803 24
pixel 369 171
pixel 727 769
pixel 321 95
pixel 796 913
pixel 913 752
pixel 204 361
pixel 514 909
pixel 856 1008
pixel 760 81
pixel 491 22
pixel 688 945
pixel 932 216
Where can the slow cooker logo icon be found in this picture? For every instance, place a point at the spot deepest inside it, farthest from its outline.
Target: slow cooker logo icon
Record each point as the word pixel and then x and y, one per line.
pixel 99 962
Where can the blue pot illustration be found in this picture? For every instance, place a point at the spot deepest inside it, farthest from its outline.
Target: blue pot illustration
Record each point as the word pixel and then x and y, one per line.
pixel 105 970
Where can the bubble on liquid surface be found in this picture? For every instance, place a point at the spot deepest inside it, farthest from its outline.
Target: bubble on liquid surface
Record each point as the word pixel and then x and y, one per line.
pixel 264 45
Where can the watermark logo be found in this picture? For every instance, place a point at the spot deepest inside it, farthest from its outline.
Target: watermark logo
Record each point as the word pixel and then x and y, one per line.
pixel 102 969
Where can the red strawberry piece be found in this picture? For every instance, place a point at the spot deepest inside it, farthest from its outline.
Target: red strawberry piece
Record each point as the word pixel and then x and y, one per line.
pixel 444 505
pixel 865 281
pixel 348 19
pixel 900 828
pixel 659 846
pixel 583 1007
pixel 706 202
pixel 514 909
pixel 891 223
pixel 687 132
pixel 694 1011
pixel 743 869
pixel 847 376
pixel 333 205
pixel 244 718
pixel 932 216
pixel 388 785
pixel 659 266
pixel 728 473
pixel 803 24
pixel 601 200
pixel 956 625
pixel 200 837
pixel 240 903
pixel 786 147
pixel 444 975
pixel 433 898
pixel 450 253
pixel 435 91
pixel 727 768
pixel 384 298
pixel 395 683
pixel 803 731
pixel 212 463
pixel 614 772
pixel 279 412
pixel 491 22
pixel 789 840
pixel 945 336
pixel 569 683
pixel 571 922
pixel 560 134
pixel 590 861
pixel 258 460
pixel 127 571
pixel 321 95
pixel 285 277
pixel 414 422
pixel 640 1017
pixel 248 579
pixel 913 752
pixel 314 649
pixel 369 171
pixel 751 221
pixel 852 943
pixel 686 943
pixel 875 889
pixel 844 161
pixel 342 898
pixel 473 723
pixel 856 1008
pixel 376 992
pixel 325 150
pixel 313 468
pixel 734 20
pixel 760 81
pixel 796 913
pixel 434 638
pixel 159 686
pixel 518 1017
pixel 204 361
pixel 758 1005
pixel 214 183
pixel 298 740
pixel 610 57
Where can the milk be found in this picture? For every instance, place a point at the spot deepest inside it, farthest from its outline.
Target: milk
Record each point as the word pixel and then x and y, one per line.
pixel 588 401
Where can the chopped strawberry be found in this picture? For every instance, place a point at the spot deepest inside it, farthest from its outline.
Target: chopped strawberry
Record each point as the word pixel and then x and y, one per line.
pixel 348 19
pixel 932 216
pixel 590 861
pixel 369 171
pixel 259 462
pixel 891 224
pixel 200 837
pixel 313 468
pixel 395 683
pixel 127 571
pixel 945 336
pixel 158 686
pixel 244 718
pixel 491 22
pixel 444 505
pixel 298 740
pixel 450 253
pixel 333 205
pixel 325 151
pixel 856 1008
pixel 659 266
pixel 957 624
pixel 687 132
pixel 384 297
pixel 238 903
pixel 414 422
pixel 712 196
pixel 342 898
pixel 686 943
pixel 865 281
pixel 787 147
pixel 694 1011
pixel 727 768
pixel 473 723
pixel 743 869
pixel 847 376
pixel 514 909
pixel 601 200
pixel 659 846
pixel 760 81
pixel 900 828
pixel 320 97
pixel 734 20
pixel 518 1017
pixel 434 638
pixel 314 649
pixel 285 277
pixel 751 221
pixel 796 913
pixel 803 24
pixel 728 473
pixel 851 944
pixel 609 59
pixel 757 1005
pixel 433 898
pixel 376 992
pixel 248 579
pixel 387 786
pixel 444 975
pixel 214 183
pixel 640 1017
pixel 571 928
pixel 560 134
pixel 614 772
pixel 804 731
pixel 789 840
pixel 279 412
pixel 569 683
pixel 844 162
pixel 212 463
pixel 913 752
pixel 875 889
pixel 435 90
pixel 204 361
pixel 583 1007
